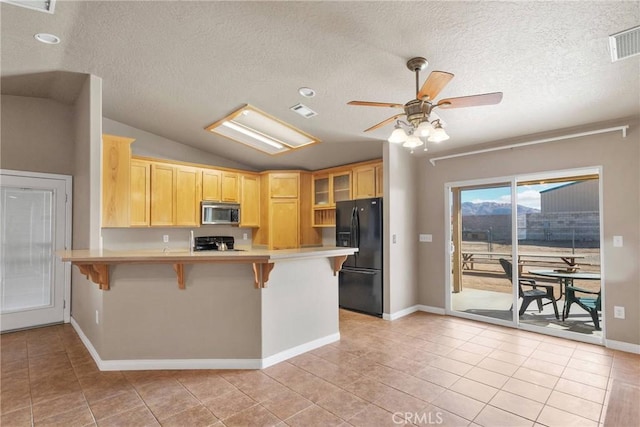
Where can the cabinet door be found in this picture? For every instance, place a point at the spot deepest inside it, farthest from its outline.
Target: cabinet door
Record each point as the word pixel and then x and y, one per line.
pixel 188 191
pixel 116 155
pixel 211 185
pixel 250 201
pixel 230 187
pixel 284 221
pixel 320 191
pixel 284 185
pixel 140 193
pixel 163 191
pixel 364 182
pixel 341 187
pixel 379 181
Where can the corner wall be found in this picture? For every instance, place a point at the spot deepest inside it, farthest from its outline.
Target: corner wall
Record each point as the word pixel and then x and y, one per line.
pixel 400 207
pixel 620 161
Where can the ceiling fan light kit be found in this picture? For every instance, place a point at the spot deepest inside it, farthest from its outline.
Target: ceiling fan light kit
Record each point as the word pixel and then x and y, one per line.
pixel 418 110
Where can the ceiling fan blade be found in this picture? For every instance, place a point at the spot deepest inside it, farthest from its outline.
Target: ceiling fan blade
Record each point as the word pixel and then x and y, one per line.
pixel 436 81
pixel 375 104
pixel 384 122
pixel 471 101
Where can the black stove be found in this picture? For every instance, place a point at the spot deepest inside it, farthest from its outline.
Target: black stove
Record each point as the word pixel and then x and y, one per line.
pixel 212 243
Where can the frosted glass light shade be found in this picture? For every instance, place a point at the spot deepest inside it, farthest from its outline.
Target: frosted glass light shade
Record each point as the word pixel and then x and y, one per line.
pixel 398 136
pixel 424 128
pixel 413 142
pixel 438 135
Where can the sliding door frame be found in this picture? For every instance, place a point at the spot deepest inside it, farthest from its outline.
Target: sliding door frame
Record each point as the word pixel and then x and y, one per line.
pixel 513 180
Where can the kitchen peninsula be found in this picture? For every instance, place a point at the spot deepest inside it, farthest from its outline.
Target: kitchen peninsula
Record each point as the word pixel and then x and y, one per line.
pixel 213 310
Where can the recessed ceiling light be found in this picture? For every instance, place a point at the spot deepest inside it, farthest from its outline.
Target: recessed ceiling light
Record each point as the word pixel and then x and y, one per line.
pixel 307 92
pixel 47 38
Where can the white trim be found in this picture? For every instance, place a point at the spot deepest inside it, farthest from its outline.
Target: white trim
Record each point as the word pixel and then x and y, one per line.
pixel 161 364
pixel 430 309
pixel 303 348
pixel 68 188
pixel 622 346
pixel 623 129
pixel 400 313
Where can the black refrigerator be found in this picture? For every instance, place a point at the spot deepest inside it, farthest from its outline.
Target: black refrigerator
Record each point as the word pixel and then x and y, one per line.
pixel 359 225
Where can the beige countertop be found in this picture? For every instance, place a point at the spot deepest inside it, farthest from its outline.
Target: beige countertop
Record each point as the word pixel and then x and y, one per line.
pixel 95 263
pixel 187 257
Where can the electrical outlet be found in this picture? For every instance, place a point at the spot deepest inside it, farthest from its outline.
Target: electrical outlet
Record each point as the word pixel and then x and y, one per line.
pixel 245 236
pixel 426 237
pixel 617 241
pixel 97 318
pixel 165 238
pixel 618 312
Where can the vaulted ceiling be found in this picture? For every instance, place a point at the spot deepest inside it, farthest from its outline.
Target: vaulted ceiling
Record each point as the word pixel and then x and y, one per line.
pixel 172 68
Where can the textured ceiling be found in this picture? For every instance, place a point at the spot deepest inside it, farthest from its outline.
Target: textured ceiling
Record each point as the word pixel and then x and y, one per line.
pixel 172 68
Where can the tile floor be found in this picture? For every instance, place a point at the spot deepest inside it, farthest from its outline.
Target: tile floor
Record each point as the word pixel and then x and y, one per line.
pixel 422 369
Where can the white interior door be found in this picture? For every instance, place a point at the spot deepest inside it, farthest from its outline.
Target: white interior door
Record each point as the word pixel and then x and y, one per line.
pixel 35 223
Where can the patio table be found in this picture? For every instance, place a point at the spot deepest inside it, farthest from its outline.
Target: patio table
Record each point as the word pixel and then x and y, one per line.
pixel 565 279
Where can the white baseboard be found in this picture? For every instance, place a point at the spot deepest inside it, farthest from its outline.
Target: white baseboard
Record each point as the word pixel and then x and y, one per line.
pixel 162 364
pixel 400 313
pixel 295 351
pixel 430 309
pixel 622 346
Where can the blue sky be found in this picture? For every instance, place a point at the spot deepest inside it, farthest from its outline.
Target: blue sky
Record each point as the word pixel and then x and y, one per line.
pixel 528 195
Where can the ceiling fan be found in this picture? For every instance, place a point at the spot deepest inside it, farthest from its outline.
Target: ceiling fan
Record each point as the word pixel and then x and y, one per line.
pixel 418 110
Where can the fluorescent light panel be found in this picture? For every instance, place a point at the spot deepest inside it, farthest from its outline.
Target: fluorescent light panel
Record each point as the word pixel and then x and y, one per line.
pixel 254 128
pixel 39 5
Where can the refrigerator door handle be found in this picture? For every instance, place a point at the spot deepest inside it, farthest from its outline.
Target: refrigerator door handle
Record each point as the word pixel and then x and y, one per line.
pixel 357 217
pixel 351 270
pixel 353 229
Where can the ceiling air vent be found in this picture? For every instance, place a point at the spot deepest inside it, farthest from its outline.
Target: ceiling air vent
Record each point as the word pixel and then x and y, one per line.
pixel 303 110
pixel 625 44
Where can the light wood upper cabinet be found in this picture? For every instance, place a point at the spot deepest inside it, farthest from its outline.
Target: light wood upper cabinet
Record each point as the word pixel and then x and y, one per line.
pixel 340 187
pixel 284 219
pixel 321 190
pixel 379 180
pixel 163 194
pixel 250 201
pixel 188 195
pixel 116 157
pixel 284 185
pixel 230 187
pixel 140 206
pixel 364 182
pixel 211 185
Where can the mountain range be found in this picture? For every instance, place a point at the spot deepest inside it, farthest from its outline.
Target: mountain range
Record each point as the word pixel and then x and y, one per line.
pixel 493 208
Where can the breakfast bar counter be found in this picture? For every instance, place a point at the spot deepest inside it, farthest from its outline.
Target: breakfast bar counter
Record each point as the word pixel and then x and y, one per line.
pixel 229 309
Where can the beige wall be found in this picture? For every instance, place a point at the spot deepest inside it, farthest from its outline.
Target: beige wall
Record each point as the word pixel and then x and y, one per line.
pixel 400 220
pixel 150 145
pixel 620 161
pixel 299 307
pixel 37 135
pixel 86 299
pixel 146 316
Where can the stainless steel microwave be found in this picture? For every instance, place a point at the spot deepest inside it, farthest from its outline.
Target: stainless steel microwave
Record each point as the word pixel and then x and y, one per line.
pixel 220 213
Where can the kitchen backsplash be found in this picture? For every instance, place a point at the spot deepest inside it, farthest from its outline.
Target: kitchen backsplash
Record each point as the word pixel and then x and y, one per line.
pixel 152 238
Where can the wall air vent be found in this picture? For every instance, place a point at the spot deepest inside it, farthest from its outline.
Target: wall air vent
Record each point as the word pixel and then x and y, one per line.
pixel 625 44
pixel 303 110
pixel 40 5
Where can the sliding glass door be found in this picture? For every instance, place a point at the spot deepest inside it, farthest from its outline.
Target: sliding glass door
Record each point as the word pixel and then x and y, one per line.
pixel 525 251
pixel 482 218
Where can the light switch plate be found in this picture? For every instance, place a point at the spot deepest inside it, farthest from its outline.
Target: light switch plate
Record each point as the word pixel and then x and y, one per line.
pixel 618 312
pixel 617 241
pixel 426 237
pixel 393 238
